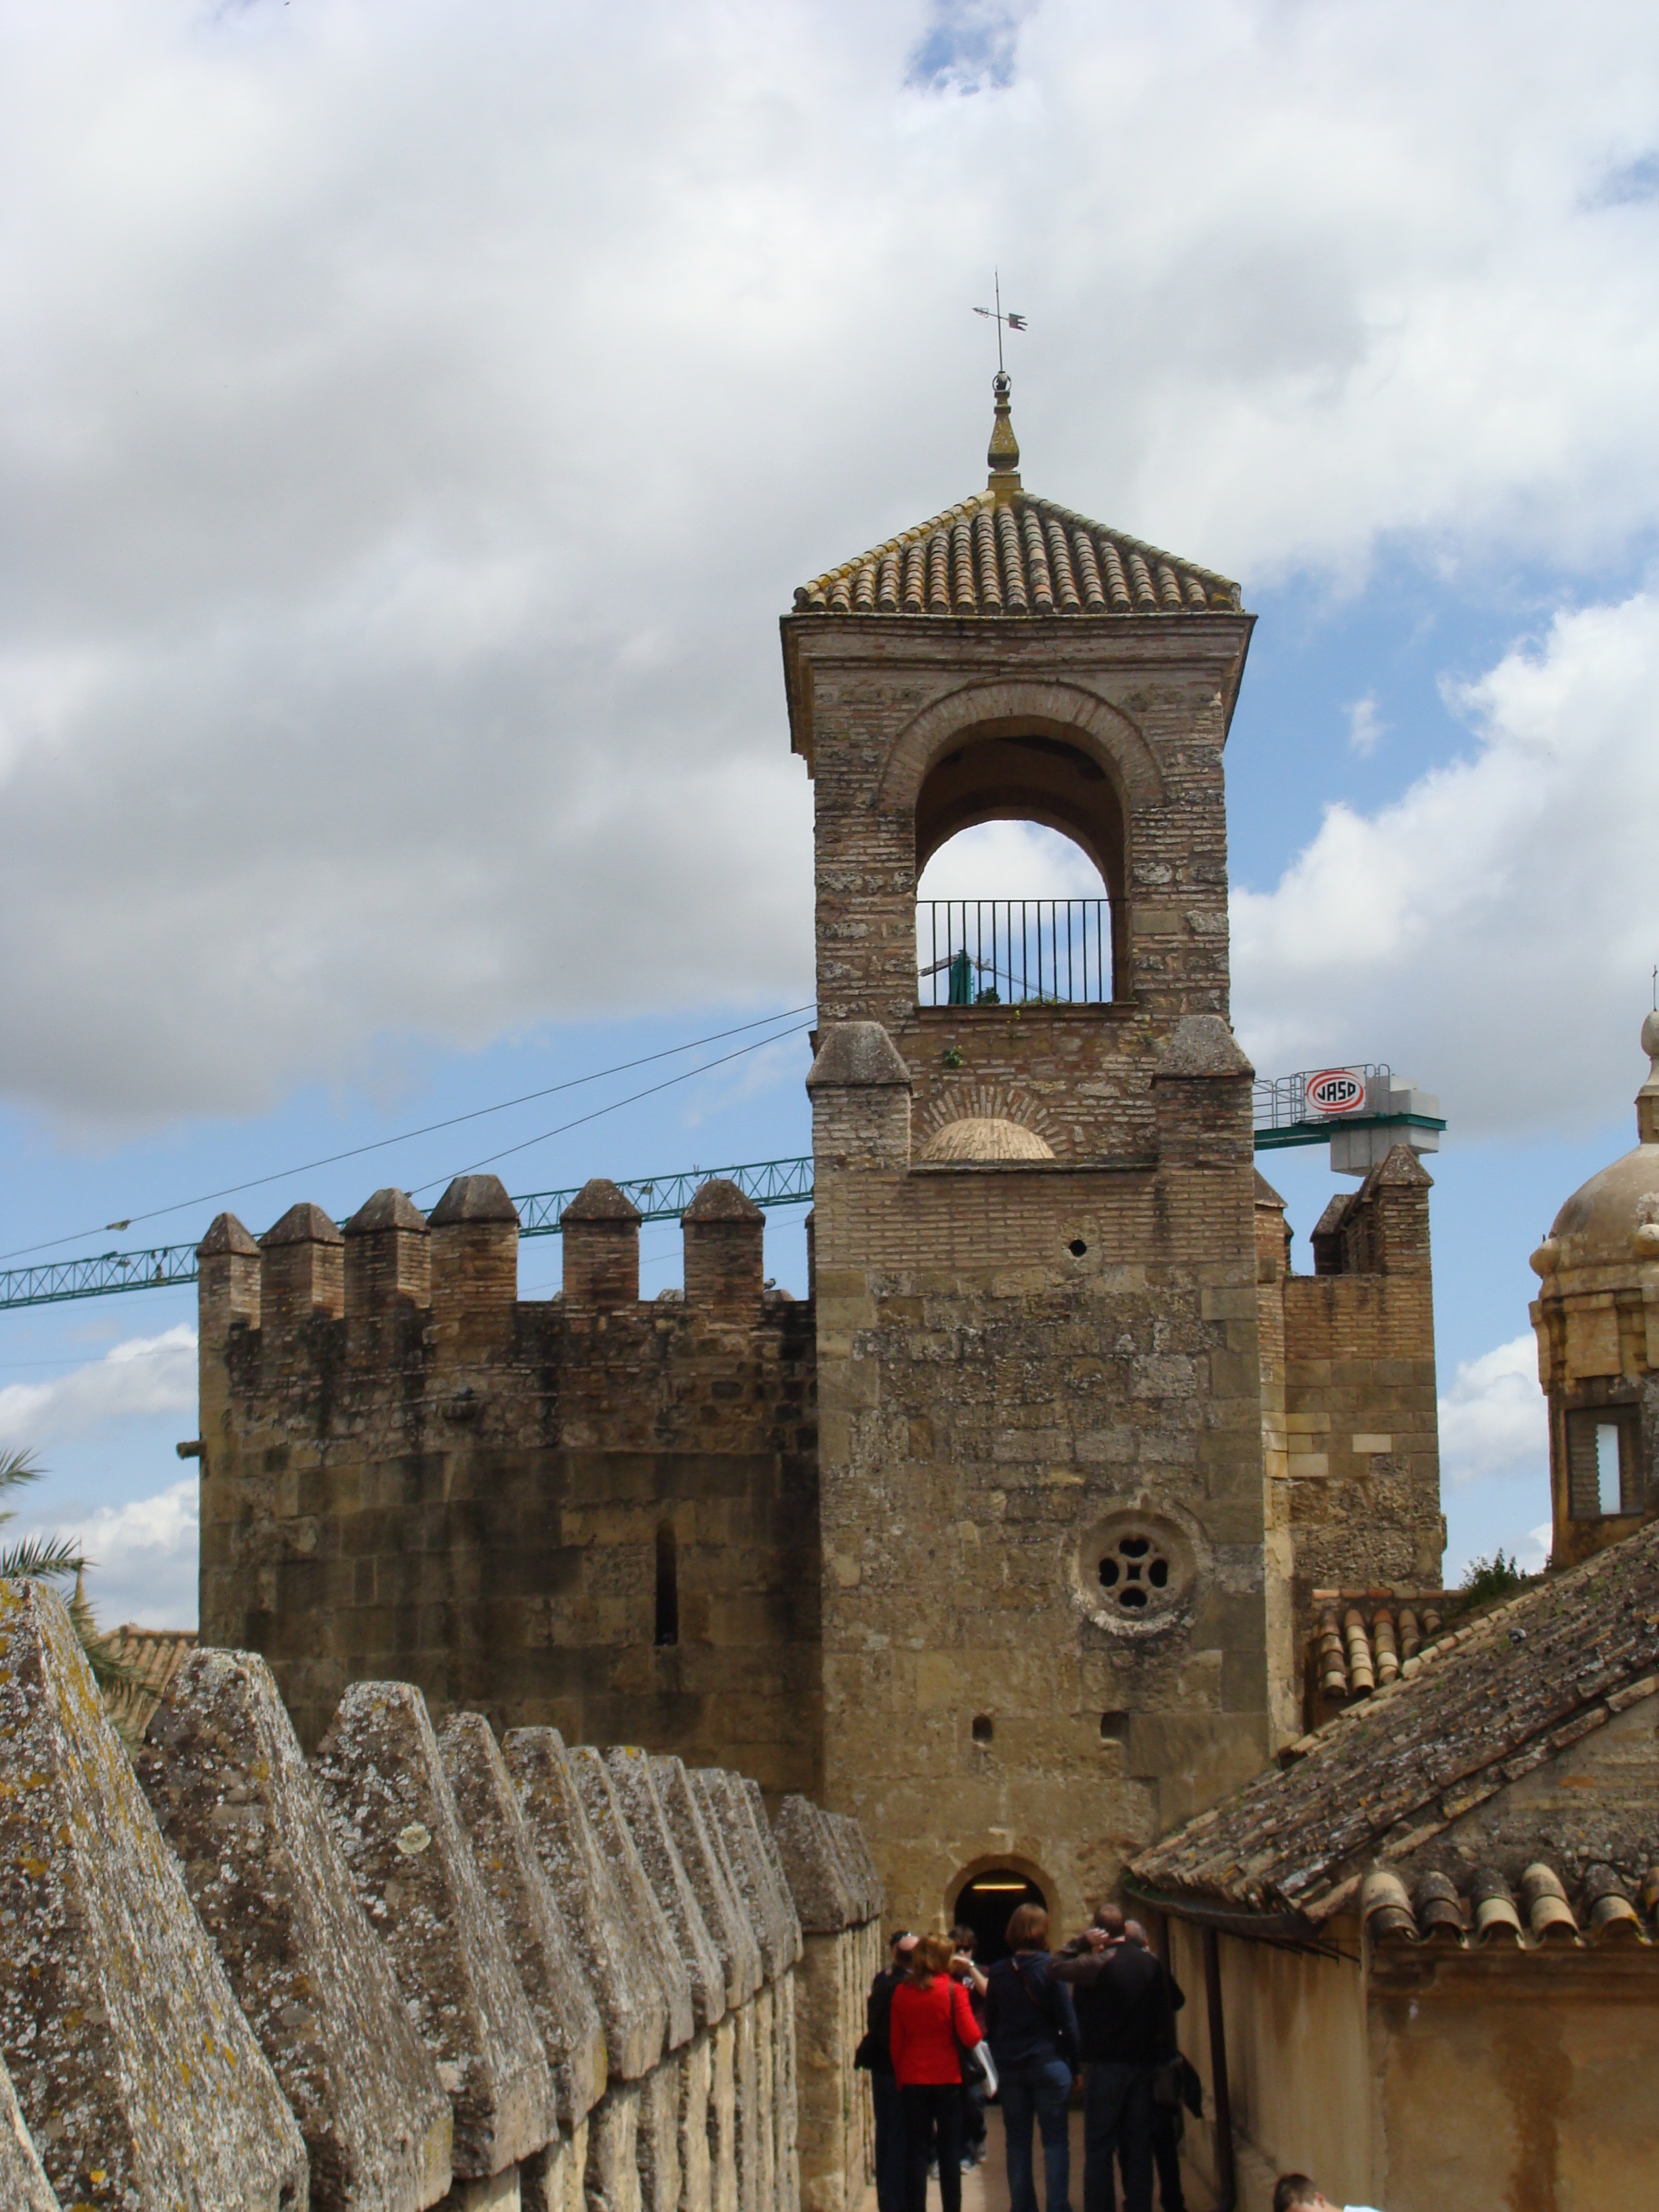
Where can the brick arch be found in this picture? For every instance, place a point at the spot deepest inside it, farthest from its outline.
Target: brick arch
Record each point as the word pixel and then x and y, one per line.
pixel 1028 751
pixel 1061 710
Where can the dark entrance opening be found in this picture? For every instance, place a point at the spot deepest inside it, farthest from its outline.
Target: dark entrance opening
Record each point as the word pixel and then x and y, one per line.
pixel 985 1904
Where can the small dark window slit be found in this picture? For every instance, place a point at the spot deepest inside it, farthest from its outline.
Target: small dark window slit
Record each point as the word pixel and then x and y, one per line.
pixel 1076 1248
pixel 668 1586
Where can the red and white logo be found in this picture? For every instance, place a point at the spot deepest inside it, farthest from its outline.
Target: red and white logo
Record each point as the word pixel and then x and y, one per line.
pixel 1336 1090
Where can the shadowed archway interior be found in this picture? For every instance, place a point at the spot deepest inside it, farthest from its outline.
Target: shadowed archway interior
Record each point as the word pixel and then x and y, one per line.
pixel 1025 775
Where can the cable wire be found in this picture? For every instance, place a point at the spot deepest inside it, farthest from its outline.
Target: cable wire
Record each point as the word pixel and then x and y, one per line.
pixel 407 1136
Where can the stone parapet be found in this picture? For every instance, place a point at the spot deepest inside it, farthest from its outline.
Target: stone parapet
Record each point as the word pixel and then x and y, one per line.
pixel 413 1972
pixel 228 1784
pixel 136 2074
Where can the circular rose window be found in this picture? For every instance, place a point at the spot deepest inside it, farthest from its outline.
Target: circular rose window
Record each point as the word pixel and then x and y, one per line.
pixel 1135 1572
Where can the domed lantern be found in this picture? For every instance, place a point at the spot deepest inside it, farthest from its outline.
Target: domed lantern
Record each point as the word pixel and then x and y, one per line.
pixel 1596 1317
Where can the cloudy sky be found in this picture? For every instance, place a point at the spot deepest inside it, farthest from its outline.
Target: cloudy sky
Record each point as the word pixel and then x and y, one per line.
pixel 413 420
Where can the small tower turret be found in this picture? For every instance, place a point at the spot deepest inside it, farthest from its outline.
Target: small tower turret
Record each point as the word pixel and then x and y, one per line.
pixel 1596 1317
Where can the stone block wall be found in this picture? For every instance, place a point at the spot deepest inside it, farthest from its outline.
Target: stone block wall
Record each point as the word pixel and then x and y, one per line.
pixel 1359 1473
pixel 1023 1367
pixel 409 1472
pixel 414 1970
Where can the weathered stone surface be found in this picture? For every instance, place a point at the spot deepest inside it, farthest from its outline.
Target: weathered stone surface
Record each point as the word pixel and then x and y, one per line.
pixel 611 2178
pixel 139 2078
pixel 723 2116
pixel 658 2143
pixel 552 2181
pixel 1201 1045
pixel 629 1993
pixel 656 1938
pixel 727 1808
pixel 855 1856
pixel 226 1780
pixel 771 1862
pixel 859 1054
pixel 23 2184
pixel 395 1819
pixel 712 1881
pixel 671 1884
pixel 824 1900
pixel 543 1951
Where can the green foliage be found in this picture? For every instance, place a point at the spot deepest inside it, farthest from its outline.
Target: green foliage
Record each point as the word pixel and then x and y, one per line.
pixel 1487 1580
pixel 54 1560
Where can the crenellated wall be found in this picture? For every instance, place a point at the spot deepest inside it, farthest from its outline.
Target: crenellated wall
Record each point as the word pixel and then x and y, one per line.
pixel 417 1970
pixel 409 1471
pixel 1349 1395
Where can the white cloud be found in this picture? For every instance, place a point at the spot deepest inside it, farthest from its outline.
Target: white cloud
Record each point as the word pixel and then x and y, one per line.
pixel 1492 1419
pixel 145 1375
pixel 1366 725
pixel 413 421
pixel 144 1557
pixel 1490 932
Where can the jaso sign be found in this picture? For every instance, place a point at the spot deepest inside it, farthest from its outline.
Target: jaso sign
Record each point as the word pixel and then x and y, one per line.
pixel 1336 1090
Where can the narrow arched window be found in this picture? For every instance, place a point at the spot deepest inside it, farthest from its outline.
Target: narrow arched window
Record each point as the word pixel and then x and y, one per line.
pixel 668 1585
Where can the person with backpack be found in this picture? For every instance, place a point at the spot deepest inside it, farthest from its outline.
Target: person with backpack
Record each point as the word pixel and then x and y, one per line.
pixel 930 2025
pixel 874 2056
pixel 1032 2030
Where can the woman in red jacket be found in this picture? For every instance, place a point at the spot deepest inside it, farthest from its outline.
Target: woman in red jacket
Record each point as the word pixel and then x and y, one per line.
pixel 931 2018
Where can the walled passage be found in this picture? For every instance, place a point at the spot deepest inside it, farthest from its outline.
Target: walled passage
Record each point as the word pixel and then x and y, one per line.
pixel 414 1970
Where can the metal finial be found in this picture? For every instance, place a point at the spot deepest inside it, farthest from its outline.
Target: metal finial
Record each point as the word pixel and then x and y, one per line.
pixel 1002 454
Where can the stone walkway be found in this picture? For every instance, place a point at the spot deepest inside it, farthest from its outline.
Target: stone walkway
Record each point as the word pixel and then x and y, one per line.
pixel 985 2188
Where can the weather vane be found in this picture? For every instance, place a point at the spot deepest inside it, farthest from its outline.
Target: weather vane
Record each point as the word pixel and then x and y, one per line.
pixel 995 315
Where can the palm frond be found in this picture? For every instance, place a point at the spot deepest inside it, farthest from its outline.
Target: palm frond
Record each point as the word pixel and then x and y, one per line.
pixel 44 1558
pixel 17 1467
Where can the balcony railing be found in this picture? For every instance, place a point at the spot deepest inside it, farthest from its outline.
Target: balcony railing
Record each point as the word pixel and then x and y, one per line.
pixel 1012 952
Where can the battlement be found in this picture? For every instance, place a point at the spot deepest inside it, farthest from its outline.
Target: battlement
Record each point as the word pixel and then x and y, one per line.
pixel 414 1970
pixel 594 1511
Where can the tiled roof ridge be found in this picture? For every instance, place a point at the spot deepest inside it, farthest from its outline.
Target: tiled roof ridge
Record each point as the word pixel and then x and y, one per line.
pixel 1369 1823
pixel 1001 567
pixel 1477 1909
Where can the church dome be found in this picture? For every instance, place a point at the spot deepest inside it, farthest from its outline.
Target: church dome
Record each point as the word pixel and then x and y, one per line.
pixel 977 1137
pixel 1613 1222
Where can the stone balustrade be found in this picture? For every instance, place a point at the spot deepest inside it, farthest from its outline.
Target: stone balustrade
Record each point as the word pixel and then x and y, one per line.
pixel 414 1970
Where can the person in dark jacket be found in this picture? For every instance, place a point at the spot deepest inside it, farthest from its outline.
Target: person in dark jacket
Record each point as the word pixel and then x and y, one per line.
pixel 1126 2023
pixel 884 2083
pixel 1032 2031
pixel 1166 2119
pixel 962 1969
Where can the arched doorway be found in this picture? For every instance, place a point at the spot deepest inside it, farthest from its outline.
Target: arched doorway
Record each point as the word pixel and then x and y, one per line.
pixel 985 1902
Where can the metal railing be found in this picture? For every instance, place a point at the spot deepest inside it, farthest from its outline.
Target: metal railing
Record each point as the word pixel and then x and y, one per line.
pixel 992 953
pixel 1279 1103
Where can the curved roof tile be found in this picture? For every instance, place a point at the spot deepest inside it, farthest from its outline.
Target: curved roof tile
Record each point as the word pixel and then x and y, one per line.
pixel 998 554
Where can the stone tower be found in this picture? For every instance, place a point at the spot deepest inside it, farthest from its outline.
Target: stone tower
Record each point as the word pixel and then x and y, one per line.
pixel 1050 1615
pixel 1596 1317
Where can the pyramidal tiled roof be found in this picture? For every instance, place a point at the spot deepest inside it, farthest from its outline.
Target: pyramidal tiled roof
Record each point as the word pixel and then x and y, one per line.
pixel 1015 554
pixel 1006 551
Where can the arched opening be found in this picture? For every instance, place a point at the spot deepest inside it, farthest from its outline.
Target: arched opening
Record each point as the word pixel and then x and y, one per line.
pixel 668 1585
pixel 985 1903
pixel 1013 911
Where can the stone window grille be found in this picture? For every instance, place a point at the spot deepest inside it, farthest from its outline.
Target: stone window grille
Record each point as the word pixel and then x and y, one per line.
pixel 1135 1573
